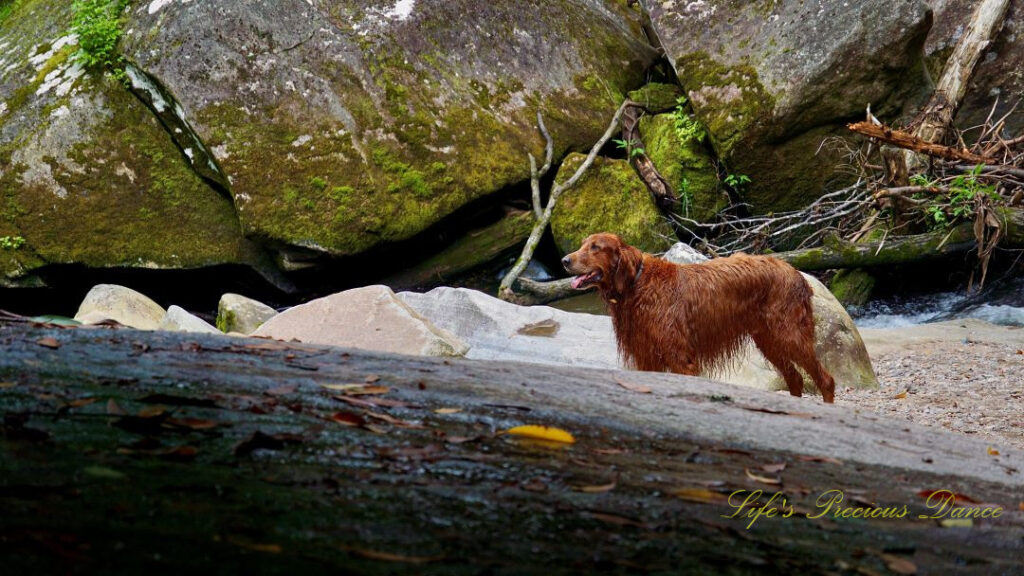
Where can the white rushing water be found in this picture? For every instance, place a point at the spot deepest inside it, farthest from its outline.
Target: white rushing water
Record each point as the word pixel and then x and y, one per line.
pixel 1002 303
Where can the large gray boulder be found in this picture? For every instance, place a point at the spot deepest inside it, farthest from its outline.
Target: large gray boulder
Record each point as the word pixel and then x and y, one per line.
pixel 499 330
pixel 771 80
pixel 88 175
pixel 338 126
pixel 370 318
pixel 837 342
pixel 123 305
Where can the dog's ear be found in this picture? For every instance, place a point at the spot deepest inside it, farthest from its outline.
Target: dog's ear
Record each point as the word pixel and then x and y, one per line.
pixel 628 260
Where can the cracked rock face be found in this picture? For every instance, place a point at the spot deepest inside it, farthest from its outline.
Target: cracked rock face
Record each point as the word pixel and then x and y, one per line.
pixel 87 174
pixel 772 79
pixel 343 125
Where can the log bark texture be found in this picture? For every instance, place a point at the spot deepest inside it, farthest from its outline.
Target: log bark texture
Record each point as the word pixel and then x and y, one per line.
pixel 126 452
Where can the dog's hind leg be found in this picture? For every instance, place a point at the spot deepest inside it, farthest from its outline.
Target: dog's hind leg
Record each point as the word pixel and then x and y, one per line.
pixel 781 360
pixel 808 360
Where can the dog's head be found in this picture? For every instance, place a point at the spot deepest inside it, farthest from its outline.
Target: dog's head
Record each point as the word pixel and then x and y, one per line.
pixel 605 261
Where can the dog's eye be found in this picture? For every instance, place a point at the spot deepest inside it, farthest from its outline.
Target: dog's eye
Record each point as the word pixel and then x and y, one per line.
pixel 594 247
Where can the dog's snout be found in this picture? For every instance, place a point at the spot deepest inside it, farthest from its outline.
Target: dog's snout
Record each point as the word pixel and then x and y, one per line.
pixel 566 262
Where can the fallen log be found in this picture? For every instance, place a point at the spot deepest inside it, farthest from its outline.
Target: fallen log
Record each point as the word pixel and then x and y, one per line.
pixel 904 249
pixel 910 142
pixel 123 452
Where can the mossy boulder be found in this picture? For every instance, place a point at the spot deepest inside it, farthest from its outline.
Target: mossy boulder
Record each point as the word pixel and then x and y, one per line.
pixel 687 166
pixel 342 126
pixel 657 97
pixel 771 80
pixel 853 286
pixel 87 174
pixel 608 198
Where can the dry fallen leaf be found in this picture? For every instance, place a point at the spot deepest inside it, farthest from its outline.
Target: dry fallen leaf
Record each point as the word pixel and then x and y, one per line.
pixel 700 495
pixel 193 423
pixel 152 411
pixel 1021 506
pixel 548 433
pixel 361 390
pixel 616 519
pixel 114 409
pixel 389 557
pixel 774 468
pixel 899 565
pixel 255 546
pixel 957 497
pixel 820 459
pixel 348 419
pixel 371 378
pixel 763 479
pixel 901 395
pixel 283 390
pixel 638 388
pixel 447 410
pixel 598 489
pixel 48 342
pixel 992 451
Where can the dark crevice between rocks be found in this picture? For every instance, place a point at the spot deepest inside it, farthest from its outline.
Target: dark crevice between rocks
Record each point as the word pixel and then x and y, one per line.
pixel 316 274
pixel 168 111
pixel 197 290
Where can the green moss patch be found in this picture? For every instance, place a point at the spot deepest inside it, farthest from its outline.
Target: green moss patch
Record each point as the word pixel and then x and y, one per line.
pixel 608 198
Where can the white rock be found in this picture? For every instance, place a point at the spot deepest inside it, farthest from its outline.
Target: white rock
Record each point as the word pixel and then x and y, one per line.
pixel 179 320
pixel 499 330
pixel 124 305
pixel 236 313
pixel 371 318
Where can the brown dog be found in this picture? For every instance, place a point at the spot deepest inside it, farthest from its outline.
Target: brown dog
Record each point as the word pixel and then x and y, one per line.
pixel 691 318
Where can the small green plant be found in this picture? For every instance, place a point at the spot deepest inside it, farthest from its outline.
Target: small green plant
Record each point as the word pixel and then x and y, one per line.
pixel 98 26
pixel 687 129
pixel 11 242
pixel 633 148
pixel 736 181
pixel 964 193
pixel 318 183
pixel 685 196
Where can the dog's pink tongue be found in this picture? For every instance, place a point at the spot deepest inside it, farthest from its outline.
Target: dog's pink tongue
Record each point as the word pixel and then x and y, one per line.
pixel 577 280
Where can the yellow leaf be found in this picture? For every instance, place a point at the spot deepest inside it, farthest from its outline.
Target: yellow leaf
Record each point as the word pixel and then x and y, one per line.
pixel 700 495
pixel 992 451
pixel 956 523
pixel 762 479
pixel 901 395
pixel 447 410
pixel 548 433
pixel 595 489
